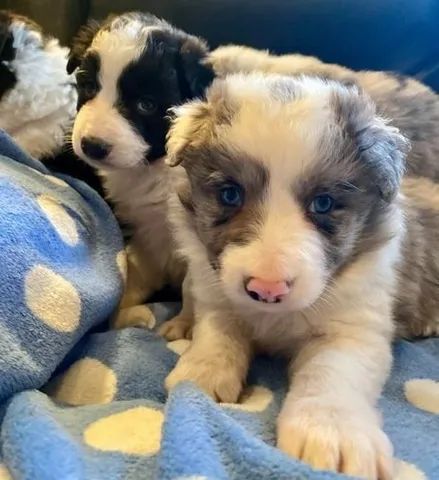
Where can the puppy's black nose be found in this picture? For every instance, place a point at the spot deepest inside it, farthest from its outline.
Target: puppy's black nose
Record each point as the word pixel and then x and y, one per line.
pixel 95 148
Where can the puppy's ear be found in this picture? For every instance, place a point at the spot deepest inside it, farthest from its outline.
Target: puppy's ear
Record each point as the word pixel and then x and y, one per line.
pixel 194 75
pixel 195 123
pixel 81 43
pixel 381 148
pixel 190 124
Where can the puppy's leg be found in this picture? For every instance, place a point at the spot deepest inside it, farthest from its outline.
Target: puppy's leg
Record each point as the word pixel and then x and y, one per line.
pixel 218 358
pixel 181 325
pixel 329 419
pixel 143 280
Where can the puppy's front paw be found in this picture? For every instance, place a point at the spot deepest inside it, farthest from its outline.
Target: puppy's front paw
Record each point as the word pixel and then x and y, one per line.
pixel 330 437
pixel 177 328
pixel 139 316
pixel 218 379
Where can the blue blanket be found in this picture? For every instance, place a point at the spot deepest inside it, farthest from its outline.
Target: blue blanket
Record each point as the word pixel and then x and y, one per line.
pixel 79 401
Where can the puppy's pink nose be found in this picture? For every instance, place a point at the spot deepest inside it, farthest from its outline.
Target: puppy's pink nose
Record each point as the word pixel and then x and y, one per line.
pixel 265 291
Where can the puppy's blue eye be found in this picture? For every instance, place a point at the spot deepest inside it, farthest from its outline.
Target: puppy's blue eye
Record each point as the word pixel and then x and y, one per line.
pixel 231 195
pixel 322 204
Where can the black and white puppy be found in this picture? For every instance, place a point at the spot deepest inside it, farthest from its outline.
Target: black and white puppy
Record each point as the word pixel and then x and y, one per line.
pixel 130 70
pixel 37 96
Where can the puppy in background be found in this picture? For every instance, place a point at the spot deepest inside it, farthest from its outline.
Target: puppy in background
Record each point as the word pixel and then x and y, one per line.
pixel 300 242
pixel 37 96
pixel 130 70
pixel 412 106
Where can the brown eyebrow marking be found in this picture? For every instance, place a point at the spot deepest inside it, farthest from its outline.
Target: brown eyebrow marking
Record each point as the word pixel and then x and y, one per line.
pixel 216 225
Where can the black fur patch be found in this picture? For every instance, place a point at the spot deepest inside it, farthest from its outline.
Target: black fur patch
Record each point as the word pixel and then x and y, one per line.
pixel 87 79
pixel 168 73
pixel 8 78
pixel 81 44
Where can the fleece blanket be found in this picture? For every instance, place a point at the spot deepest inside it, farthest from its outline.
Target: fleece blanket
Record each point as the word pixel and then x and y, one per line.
pixel 79 401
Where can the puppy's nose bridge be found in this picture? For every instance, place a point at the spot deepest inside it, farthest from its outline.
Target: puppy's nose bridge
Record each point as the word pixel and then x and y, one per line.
pixel 100 107
pixel 274 235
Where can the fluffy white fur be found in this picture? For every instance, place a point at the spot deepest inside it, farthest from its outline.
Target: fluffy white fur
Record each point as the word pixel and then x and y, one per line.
pixel 39 110
pixel 337 335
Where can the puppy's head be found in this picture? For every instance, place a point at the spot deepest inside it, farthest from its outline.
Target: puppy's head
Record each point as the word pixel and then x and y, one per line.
pixel 130 71
pixel 287 182
pixel 22 45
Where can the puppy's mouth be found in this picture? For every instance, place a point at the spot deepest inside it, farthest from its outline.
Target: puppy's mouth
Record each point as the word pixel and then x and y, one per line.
pixel 247 304
pixel 113 165
pixel 287 306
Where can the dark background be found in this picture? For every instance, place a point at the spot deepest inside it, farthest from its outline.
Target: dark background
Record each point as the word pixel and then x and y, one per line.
pixel 398 35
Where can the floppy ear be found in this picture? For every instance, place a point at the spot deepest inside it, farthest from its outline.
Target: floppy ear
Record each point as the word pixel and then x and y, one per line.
pixel 81 43
pixel 384 149
pixel 195 122
pixel 381 148
pixel 189 126
pixel 194 75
